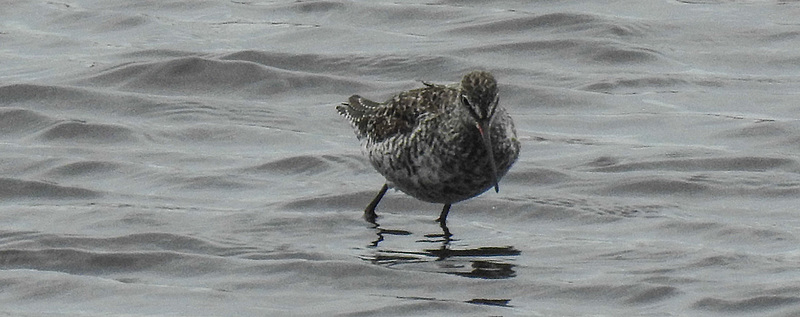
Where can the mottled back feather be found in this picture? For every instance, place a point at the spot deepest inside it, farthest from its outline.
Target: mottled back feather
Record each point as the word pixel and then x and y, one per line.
pixel 397 116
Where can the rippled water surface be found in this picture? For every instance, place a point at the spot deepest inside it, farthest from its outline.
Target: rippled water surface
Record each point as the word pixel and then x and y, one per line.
pixel 184 158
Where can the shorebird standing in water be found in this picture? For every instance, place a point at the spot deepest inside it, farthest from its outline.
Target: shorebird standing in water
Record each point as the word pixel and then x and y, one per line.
pixel 439 143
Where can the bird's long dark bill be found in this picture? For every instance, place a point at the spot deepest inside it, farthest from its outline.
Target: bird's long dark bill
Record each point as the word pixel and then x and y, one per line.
pixel 483 128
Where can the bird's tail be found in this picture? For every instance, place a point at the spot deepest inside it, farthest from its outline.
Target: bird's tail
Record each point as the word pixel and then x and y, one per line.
pixel 356 108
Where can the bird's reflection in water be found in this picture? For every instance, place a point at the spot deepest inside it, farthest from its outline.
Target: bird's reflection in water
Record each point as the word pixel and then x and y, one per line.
pixel 381 233
pixel 486 262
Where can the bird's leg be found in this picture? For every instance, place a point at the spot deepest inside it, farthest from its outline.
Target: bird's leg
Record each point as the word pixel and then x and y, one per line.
pixel 369 213
pixel 443 220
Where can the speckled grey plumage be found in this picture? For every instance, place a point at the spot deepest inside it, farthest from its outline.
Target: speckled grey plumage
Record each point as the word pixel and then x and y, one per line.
pixel 428 143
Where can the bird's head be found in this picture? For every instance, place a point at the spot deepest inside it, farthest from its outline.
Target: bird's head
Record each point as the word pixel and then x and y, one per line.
pixel 479 96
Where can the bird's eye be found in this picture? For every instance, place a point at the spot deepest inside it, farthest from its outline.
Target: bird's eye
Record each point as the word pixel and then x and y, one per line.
pixel 493 108
pixel 465 102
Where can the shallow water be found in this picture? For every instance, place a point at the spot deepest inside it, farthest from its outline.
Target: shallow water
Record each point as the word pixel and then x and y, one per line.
pixel 185 158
